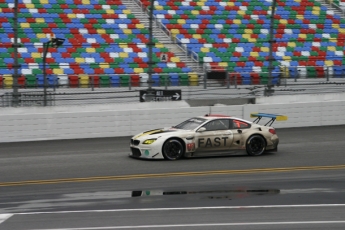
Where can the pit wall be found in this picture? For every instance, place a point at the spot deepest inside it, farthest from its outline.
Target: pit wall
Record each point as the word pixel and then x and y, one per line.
pixel 52 123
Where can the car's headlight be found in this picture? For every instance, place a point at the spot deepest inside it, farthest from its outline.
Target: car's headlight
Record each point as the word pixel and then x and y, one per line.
pixel 149 141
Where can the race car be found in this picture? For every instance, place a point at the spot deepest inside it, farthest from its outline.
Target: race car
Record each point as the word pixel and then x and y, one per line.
pixel 208 135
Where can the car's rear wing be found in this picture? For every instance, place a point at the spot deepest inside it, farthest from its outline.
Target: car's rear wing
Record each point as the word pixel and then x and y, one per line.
pixel 274 117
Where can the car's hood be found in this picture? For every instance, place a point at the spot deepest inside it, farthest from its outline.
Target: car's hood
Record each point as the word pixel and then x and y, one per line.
pixel 155 133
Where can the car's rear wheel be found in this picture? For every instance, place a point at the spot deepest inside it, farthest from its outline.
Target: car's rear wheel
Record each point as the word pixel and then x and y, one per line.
pixel 173 149
pixel 255 145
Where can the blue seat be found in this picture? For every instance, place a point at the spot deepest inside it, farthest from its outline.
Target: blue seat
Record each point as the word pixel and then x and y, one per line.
pixel 155 78
pixel 174 79
pixel 115 81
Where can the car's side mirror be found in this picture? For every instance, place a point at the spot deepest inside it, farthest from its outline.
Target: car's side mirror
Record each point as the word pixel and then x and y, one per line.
pixel 239 131
pixel 202 129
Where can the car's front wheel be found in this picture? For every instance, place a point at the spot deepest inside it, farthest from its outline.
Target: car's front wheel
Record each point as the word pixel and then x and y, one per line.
pixel 255 145
pixel 173 149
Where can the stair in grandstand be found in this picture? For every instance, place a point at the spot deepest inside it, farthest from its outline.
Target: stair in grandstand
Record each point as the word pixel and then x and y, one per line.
pixel 332 6
pixel 160 35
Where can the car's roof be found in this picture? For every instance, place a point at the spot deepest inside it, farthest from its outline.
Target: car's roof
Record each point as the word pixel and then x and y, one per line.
pixel 220 116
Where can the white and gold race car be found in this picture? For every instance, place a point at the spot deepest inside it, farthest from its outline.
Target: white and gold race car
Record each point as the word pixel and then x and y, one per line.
pixel 208 135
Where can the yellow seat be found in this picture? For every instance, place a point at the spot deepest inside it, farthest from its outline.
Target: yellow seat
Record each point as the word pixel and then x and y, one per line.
pixel 241 12
pixel 127 11
pixel 181 21
pixel 104 65
pixel 230 3
pixel 197 36
pixel 30 6
pixel 195 12
pixel 329 63
pixel 301 17
pixel 40 20
pixel 175 31
pixel 285 71
pixel 58 71
pixel 286 58
pixel 175 59
pixel 8 81
pixel 110 11
pixel 223 64
pixel 123 45
pixel 140 26
pixel 254 54
pixel 159 7
pixel 205 49
pixel 86 2
pixel 138 70
pixel 44 1
pixel 331 48
pixel 291 44
pixel 302 36
pixel 264 49
pixel 237 21
pixel 336 26
pixel 36 55
pixel 193 79
pixel 25 25
pixel 283 21
pixel 71 16
pixel 79 60
pixel 249 32
pixel 159 45
pixel 200 3
pixel 42 35
pixel 84 81
pixel 316 12
pixel 127 31
pixel 90 50
pixel 101 31
pixel 123 55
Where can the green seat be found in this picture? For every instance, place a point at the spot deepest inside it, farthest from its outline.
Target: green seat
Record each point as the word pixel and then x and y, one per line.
pixel 184 80
pixel 104 81
pixel 124 80
pixel 30 81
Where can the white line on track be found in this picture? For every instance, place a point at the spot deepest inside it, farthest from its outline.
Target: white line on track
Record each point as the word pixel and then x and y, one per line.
pixel 4 217
pixel 200 225
pixel 186 208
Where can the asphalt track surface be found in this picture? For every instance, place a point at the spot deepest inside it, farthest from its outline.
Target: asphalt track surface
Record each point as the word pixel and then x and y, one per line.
pixel 93 184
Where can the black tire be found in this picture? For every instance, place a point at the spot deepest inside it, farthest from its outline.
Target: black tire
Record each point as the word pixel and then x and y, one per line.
pixel 255 145
pixel 173 149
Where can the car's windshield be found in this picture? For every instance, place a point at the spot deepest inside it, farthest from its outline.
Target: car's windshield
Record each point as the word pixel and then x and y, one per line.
pixel 190 123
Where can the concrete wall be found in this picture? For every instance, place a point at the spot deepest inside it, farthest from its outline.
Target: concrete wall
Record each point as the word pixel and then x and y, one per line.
pixel 39 123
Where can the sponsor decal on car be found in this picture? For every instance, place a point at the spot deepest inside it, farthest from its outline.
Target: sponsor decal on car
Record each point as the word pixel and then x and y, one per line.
pixel 217 141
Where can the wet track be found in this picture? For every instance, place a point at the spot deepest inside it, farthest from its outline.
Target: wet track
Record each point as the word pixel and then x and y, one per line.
pixel 93 184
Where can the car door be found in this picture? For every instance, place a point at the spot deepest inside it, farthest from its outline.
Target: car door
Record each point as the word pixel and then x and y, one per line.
pixel 214 136
pixel 239 128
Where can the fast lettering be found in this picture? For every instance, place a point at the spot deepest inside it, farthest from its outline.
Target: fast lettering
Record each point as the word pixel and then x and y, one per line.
pixel 209 143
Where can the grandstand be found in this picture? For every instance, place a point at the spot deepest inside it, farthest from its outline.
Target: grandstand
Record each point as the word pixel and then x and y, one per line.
pixel 106 41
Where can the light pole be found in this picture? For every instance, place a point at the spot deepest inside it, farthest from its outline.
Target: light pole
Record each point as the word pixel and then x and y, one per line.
pixel 150 91
pixel 16 66
pixel 54 42
pixel 269 90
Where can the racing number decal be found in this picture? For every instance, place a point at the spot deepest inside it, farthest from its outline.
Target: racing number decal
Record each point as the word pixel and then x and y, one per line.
pixel 217 141
pixel 190 146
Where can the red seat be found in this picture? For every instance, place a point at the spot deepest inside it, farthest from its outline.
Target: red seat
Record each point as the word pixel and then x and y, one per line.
pixel 320 72
pixel 135 80
pixel 73 81
pixel 21 82
pixel 95 80
pixel 235 77
pixel 1 82
pixel 255 78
